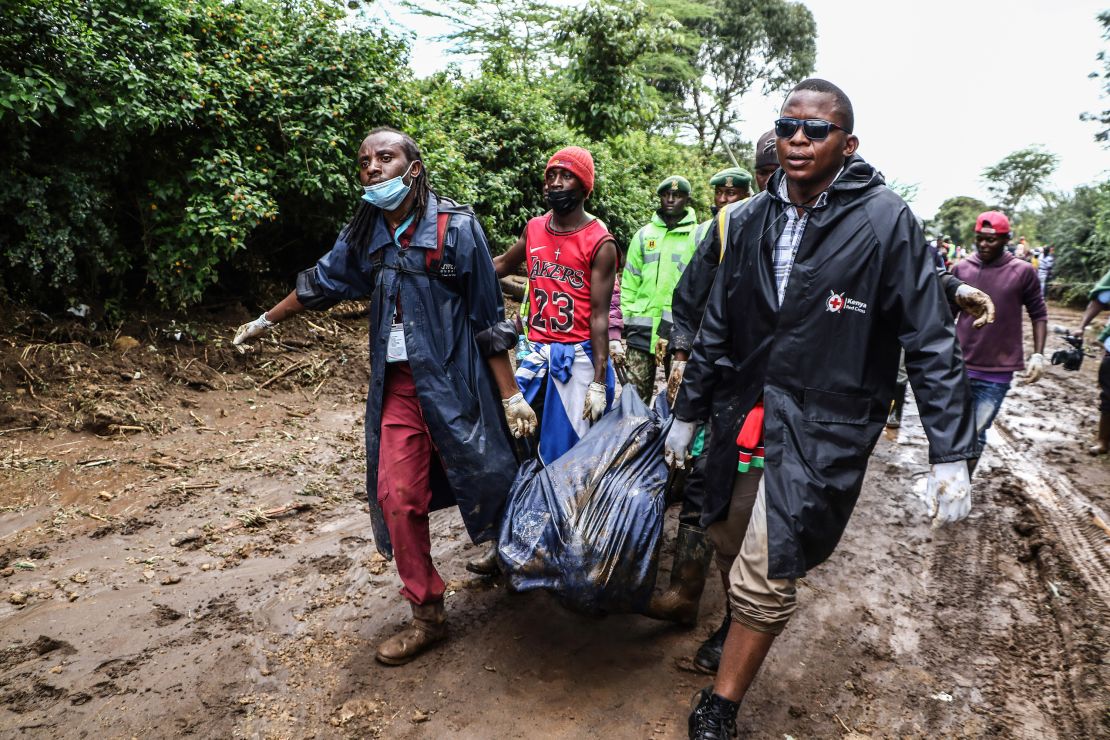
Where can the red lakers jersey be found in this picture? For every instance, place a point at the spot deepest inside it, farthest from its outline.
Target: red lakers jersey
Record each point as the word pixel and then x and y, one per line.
pixel 559 279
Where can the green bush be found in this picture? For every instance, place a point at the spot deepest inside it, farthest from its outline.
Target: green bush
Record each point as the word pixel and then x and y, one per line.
pixel 160 137
pixel 1079 228
pixel 488 139
pixel 157 146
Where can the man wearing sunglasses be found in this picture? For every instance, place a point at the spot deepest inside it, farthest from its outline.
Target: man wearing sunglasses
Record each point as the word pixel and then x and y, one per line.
pixel 824 278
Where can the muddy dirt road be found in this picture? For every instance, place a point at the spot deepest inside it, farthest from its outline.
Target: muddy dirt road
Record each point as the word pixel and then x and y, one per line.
pixel 185 552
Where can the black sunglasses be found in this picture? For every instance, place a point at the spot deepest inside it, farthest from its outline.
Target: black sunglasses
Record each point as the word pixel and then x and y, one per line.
pixel 815 129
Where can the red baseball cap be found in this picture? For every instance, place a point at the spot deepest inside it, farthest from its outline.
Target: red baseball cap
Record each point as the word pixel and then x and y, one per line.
pixel 576 160
pixel 992 222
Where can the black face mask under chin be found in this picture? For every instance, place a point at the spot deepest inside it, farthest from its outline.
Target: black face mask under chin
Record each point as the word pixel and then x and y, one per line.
pixel 562 201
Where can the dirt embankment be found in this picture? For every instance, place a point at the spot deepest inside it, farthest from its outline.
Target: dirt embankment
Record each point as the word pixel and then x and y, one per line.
pixel 184 550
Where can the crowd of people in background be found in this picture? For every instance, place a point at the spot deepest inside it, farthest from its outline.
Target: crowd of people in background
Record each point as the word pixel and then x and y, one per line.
pixel 949 254
pixel 743 312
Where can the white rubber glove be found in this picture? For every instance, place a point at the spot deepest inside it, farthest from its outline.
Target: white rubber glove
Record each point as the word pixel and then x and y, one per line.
pixel 253 330
pixel 975 303
pixel 595 402
pixel 674 380
pixel 678 443
pixel 948 492
pixel 519 416
pixel 1036 368
pixel 616 352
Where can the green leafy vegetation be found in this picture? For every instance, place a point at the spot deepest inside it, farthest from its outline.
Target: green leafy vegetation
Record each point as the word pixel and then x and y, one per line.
pixel 161 151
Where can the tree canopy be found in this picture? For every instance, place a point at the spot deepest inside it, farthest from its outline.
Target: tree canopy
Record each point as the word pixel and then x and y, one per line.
pixel 163 151
pixel 1020 175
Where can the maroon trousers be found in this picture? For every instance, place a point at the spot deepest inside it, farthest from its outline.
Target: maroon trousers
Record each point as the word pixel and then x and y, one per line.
pixel 404 488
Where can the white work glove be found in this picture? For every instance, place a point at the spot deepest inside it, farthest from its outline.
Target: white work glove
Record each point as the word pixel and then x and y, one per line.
pixel 660 350
pixel 975 302
pixel 519 416
pixel 948 492
pixel 674 380
pixel 595 402
pixel 253 329
pixel 678 443
pixel 1036 368
pixel 616 352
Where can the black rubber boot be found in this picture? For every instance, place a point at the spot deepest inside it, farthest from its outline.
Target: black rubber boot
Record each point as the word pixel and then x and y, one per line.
pixel 487 564
pixel 680 601
pixel 708 657
pixel 714 717
pixel 894 419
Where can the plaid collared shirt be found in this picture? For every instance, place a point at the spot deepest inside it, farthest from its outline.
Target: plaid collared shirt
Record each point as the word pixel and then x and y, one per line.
pixel 787 245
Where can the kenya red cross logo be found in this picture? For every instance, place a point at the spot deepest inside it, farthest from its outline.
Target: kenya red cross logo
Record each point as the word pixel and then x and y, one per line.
pixel 835 303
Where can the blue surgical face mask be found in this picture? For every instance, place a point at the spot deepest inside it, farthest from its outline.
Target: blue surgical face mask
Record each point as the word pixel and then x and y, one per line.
pixel 389 194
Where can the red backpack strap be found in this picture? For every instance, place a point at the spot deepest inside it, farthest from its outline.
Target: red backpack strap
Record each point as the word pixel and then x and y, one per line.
pixel 434 258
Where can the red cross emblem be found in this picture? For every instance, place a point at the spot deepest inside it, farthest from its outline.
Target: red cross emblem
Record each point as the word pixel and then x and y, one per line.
pixel 835 302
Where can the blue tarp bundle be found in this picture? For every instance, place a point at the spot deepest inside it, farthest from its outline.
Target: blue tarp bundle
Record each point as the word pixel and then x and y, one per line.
pixel 587 526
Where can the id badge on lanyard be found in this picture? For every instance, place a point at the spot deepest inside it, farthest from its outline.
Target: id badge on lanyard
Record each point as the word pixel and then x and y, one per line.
pixel 395 351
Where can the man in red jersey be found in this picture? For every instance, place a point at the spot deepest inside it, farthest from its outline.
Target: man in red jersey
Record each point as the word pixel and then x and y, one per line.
pixel 571 260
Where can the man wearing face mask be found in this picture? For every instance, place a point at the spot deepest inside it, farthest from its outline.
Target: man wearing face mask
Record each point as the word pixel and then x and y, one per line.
pixel 435 432
pixel 571 260
pixel 657 255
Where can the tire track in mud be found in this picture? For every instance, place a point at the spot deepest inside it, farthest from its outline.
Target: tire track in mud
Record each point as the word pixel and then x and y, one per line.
pixel 1002 653
pixel 1067 511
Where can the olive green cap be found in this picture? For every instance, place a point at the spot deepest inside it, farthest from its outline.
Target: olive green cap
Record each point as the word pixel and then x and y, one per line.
pixel 733 177
pixel 674 182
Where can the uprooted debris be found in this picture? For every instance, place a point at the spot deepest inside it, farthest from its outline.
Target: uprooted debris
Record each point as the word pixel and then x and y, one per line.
pixel 259 518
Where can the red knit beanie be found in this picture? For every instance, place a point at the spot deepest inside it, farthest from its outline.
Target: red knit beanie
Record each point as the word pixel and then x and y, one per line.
pixel 578 162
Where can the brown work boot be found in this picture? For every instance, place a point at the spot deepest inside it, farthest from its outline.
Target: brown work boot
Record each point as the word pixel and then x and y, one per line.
pixel 680 601
pixel 429 626
pixel 1102 443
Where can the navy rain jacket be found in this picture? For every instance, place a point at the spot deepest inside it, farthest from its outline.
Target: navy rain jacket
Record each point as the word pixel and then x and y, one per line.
pixel 454 319
pixel 863 283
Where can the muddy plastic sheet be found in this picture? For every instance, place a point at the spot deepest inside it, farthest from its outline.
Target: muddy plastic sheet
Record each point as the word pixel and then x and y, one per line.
pixel 587 527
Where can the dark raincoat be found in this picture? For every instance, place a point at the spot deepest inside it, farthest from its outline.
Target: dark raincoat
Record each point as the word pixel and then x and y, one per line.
pixel 692 291
pixel 453 320
pixel 863 283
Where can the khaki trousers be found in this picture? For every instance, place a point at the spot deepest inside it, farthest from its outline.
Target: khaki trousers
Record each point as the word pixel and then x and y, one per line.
pixel 759 603
pixel 726 535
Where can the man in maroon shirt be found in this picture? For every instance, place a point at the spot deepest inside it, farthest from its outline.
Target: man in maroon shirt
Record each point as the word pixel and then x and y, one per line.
pixel 992 354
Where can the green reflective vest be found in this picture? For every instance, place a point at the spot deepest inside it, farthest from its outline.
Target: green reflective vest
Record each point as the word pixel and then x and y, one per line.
pixel 656 258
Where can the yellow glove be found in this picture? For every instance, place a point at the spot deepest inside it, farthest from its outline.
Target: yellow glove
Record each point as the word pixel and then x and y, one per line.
pixel 674 380
pixel 661 350
pixel 975 303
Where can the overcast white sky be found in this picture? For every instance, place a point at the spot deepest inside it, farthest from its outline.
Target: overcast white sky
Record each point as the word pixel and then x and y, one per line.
pixel 941 89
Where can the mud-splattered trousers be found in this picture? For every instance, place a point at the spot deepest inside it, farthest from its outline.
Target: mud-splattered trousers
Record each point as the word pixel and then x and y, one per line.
pixel 986 400
pixel 641 372
pixel 405 461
